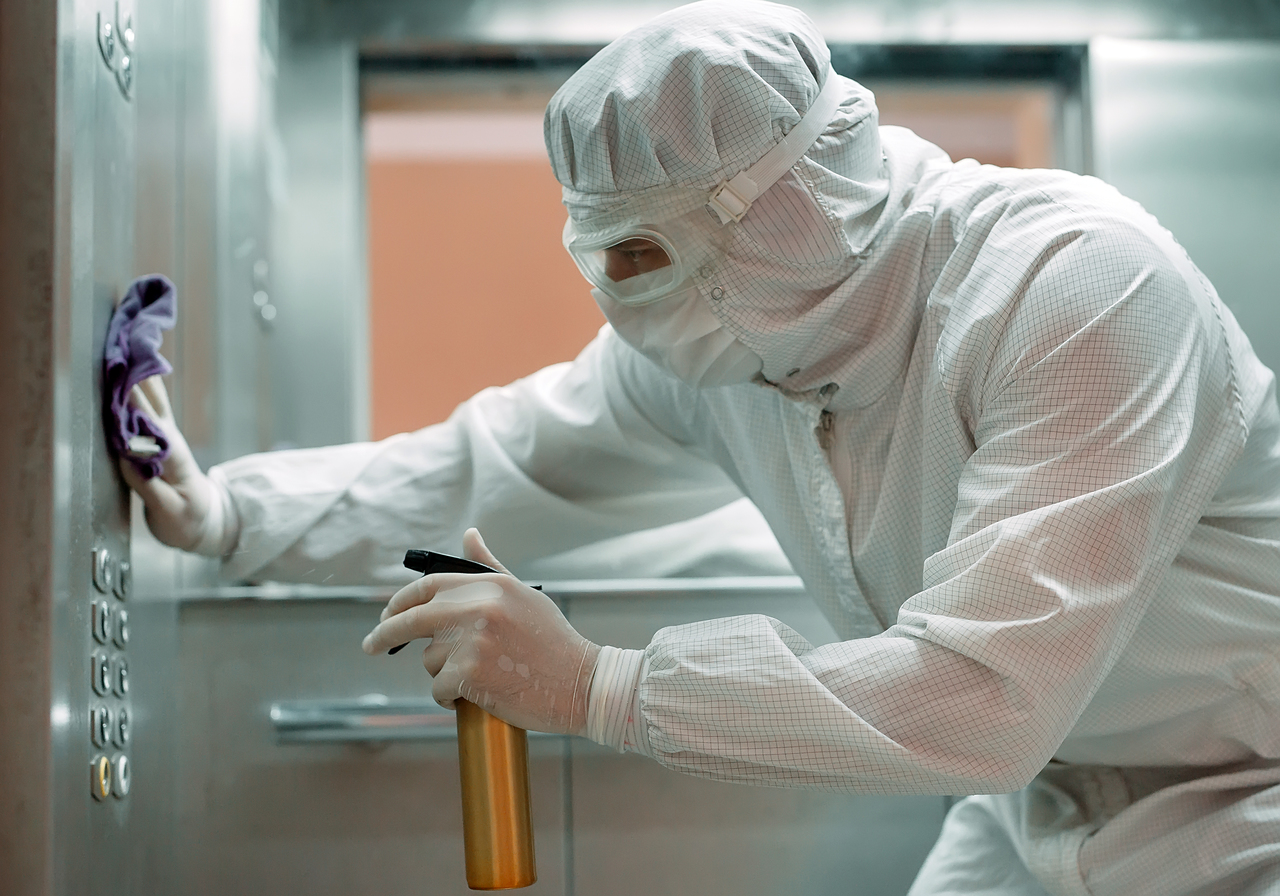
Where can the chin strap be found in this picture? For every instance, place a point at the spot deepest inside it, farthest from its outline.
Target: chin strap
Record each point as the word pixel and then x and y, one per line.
pixel 732 199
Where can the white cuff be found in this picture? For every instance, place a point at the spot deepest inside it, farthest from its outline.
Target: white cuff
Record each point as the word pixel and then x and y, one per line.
pixel 613 707
pixel 221 531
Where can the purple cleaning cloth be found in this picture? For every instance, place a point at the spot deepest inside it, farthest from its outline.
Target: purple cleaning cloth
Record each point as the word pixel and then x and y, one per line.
pixel 131 355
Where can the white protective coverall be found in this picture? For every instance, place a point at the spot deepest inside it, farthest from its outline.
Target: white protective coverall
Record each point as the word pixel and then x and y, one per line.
pixel 1022 456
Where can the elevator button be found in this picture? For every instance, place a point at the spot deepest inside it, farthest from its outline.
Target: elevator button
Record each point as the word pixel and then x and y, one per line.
pixel 100 777
pixel 122 774
pixel 100 725
pixel 101 621
pixel 122 628
pixel 121 677
pixel 100 670
pixel 124 579
pixel 120 734
pixel 106 40
pixel 103 571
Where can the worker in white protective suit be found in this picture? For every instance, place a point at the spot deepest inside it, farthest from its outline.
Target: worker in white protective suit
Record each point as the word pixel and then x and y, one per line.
pixel 1022 456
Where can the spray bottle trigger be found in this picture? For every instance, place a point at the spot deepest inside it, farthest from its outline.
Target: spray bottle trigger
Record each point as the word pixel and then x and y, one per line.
pixel 430 562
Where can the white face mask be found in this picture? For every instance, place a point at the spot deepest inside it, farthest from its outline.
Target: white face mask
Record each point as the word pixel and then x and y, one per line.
pixel 681 335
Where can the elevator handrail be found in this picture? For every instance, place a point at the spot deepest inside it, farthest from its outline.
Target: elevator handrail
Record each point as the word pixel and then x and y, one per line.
pixel 577 589
pixel 373 718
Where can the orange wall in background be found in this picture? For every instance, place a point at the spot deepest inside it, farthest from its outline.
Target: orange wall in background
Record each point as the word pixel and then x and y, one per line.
pixel 469 284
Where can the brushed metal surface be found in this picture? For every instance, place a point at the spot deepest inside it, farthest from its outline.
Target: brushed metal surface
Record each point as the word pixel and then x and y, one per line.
pixel 262 818
pixel 319 358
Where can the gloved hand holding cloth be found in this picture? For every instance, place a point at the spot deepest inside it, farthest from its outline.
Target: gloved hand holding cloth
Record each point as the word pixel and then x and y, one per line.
pixel 495 642
pixel 185 509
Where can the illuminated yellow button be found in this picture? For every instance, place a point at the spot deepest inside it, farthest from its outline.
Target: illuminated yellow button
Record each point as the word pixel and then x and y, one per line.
pixel 100 770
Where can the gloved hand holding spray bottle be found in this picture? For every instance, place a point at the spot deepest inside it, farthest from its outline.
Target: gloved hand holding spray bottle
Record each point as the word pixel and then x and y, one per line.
pixel 503 655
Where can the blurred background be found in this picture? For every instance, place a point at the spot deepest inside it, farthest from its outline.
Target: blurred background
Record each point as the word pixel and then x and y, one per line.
pixel 354 201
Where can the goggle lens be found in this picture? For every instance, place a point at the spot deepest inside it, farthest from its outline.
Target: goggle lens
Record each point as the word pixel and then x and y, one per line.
pixel 638 268
pixel 633 257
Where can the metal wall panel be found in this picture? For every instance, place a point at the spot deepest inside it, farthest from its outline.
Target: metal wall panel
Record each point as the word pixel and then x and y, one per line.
pixel 261 818
pixel 403 23
pixel 1192 131
pixel 319 358
pixel 108 177
pixel 93 837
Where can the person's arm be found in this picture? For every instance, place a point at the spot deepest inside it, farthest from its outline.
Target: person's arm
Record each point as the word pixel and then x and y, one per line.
pixel 1100 434
pixel 565 457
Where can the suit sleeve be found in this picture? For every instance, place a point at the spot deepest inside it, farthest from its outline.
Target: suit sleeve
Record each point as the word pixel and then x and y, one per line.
pixel 573 454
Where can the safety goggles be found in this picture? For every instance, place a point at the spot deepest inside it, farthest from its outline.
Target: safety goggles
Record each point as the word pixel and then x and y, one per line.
pixel 635 261
pixel 632 264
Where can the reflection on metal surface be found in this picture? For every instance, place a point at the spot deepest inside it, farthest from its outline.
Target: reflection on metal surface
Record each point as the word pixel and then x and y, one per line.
pixel 497 816
pixel 365 719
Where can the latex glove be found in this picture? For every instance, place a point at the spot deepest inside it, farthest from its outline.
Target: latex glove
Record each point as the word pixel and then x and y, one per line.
pixel 496 642
pixel 184 508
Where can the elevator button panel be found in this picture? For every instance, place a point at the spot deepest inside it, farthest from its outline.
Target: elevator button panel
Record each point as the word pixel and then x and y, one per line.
pixel 110 723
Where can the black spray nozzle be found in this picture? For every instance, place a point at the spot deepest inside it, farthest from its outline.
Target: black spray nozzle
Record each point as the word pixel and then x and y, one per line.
pixel 429 562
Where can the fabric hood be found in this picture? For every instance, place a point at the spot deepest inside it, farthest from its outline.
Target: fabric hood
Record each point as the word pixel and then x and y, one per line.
pixel 699 94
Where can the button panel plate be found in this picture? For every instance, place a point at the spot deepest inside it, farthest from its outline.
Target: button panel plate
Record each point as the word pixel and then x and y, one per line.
pixel 110 723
